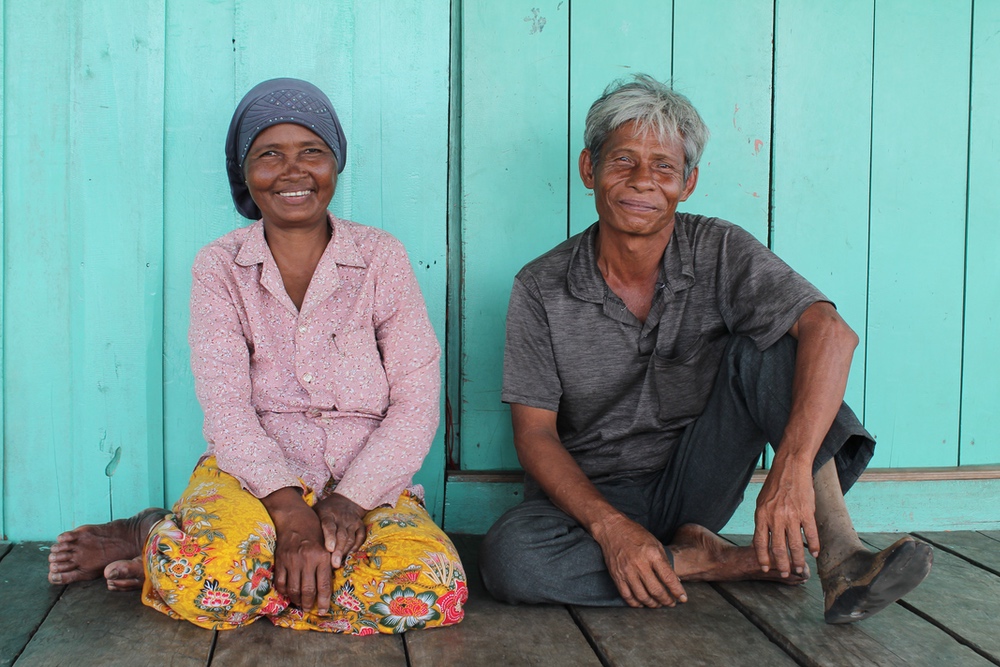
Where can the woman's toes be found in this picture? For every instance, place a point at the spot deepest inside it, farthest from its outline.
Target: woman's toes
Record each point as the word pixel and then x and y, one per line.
pixel 124 569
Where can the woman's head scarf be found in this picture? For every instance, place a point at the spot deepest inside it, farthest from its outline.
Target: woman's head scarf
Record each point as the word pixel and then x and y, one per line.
pixel 270 103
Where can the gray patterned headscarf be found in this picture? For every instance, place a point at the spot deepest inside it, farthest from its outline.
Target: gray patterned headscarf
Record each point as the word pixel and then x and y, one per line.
pixel 270 103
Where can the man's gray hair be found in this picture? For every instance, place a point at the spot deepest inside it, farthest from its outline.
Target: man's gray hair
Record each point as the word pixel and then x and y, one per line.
pixel 654 107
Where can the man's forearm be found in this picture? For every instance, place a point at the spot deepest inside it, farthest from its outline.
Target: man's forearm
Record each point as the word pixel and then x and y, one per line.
pixel 546 460
pixel 823 360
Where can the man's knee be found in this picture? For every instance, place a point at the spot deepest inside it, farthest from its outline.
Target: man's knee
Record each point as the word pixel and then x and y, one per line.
pixel 512 557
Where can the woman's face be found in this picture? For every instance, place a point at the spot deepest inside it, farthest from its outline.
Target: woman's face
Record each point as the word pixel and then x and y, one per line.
pixel 291 174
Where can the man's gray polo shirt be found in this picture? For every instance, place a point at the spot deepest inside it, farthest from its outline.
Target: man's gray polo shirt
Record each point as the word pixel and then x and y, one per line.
pixel 624 390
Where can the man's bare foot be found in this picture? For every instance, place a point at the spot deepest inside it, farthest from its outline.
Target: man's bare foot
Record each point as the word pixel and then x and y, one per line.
pixel 866 583
pixel 89 552
pixel 701 555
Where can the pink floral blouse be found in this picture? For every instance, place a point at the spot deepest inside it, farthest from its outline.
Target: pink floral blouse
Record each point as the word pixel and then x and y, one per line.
pixel 345 388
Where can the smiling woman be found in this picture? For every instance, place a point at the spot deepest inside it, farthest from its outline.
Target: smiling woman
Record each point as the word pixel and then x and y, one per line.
pixel 303 325
pixel 291 174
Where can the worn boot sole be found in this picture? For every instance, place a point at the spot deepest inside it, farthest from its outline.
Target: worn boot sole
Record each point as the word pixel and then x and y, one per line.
pixel 891 574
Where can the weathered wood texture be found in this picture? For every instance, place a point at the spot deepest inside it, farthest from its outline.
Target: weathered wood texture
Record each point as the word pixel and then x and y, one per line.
pixel 957 596
pixel 264 644
pixel 494 633
pixel 793 617
pixel 514 181
pixel 706 630
pixel 917 230
pixel 949 620
pixel 978 548
pixel 980 435
pixel 822 137
pixel 821 117
pixel 92 626
pixel 880 504
pixel 27 596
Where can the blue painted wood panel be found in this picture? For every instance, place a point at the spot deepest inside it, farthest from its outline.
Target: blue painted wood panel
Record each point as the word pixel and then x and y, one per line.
pixel 609 41
pixel 822 153
pixel 513 200
pixel 821 115
pixel 37 432
pixel 846 134
pixel 126 107
pixel 722 62
pixel 3 271
pixel 917 231
pixel 980 434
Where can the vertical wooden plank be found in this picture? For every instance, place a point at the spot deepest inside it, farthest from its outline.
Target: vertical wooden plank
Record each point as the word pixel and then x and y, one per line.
pixel 453 310
pixel 608 41
pixel 3 266
pixel 514 142
pixel 270 43
pixel 198 102
pixel 412 166
pixel 36 339
pixel 722 62
pixel 918 194
pixel 116 227
pixel 822 131
pixel 385 67
pixel 980 440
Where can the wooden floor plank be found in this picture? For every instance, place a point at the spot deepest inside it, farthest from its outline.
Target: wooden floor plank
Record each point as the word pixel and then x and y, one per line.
pixel 706 630
pixel 91 625
pixel 495 634
pixel 963 598
pixel 27 596
pixel 981 549
pixel 264 644
pixel 793 616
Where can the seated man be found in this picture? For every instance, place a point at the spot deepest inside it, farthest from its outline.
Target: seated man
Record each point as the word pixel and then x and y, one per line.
pixel 648 362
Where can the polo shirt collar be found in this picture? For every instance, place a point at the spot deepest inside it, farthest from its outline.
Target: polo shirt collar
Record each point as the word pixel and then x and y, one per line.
pixel 587 284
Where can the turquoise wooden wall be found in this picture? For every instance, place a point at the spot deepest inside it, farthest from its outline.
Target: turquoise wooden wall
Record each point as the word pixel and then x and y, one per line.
pixel 114 119
pixel 858 138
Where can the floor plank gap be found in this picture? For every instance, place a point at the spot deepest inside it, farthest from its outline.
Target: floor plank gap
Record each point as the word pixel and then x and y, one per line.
pixel 772 633
pixel 938 544
pixel 954 635
pixel 211 648
pixel 586 635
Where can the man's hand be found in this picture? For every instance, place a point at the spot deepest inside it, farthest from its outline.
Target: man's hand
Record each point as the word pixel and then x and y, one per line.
pixel 786 510
pixel 638 564
pixel 302 570
pixel 343 523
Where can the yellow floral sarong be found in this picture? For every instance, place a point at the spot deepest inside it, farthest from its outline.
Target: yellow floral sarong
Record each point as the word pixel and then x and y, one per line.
pixel 211 561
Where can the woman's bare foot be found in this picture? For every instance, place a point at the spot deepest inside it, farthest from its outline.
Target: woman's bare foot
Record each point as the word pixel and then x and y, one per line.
pixel 125 575
pixel 93 551
pixel 701 555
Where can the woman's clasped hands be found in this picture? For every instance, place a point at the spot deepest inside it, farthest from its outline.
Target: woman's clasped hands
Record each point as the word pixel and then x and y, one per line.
pixel 311 543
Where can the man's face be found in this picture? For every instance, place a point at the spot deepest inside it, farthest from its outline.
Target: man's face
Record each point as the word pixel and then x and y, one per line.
pixel 638 182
